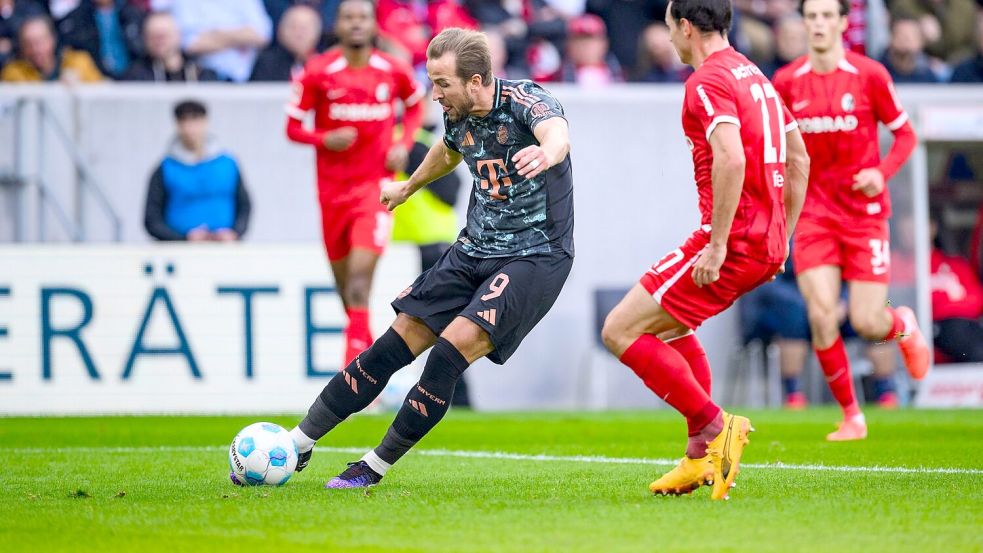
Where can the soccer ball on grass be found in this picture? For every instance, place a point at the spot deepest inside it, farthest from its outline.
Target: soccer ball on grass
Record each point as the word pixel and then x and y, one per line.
pixel 262 454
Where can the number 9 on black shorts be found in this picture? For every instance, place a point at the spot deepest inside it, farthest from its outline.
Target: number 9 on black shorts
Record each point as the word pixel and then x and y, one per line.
pixel 506 296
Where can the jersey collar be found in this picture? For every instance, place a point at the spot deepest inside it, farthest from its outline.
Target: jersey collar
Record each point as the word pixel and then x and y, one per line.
pixel 498 93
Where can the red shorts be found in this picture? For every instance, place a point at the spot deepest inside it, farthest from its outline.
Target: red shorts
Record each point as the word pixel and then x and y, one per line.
pixel 360 222
pixel 670 281
pixel 859 247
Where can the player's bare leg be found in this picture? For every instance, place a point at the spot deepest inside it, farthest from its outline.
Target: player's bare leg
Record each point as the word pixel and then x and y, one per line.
pixel 716 439
pixel 875 320
pixel 339 269
pixel 355 387
pixel 354 286
pixel 883 357
pixel 462 343
pixel 792 355
pixel 820 287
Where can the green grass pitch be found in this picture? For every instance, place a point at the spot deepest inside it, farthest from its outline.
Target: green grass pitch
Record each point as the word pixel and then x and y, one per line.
pixel 161 484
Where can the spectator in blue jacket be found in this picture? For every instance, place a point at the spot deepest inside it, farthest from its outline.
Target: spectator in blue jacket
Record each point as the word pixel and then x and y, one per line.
pixel 197 193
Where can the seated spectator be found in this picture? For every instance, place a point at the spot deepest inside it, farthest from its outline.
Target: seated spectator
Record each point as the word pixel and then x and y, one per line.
pixel 297 37
pixel 531 29
pixel 12 14
pixel 326 10
pixel 625 20
pixel 971 70
pixel 41 59
pixel 757 21
pixel 108 30
pixel 225 35
pixel 165 62
pixel 502 65
pixel 589 62
pixel 657 59
pixel 197 193
pixel 410 24
pixel 791 41
pixel 957 304
pixel 905 58
pixel 948 26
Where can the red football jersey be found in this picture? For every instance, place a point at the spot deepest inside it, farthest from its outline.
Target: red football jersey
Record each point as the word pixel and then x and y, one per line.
pixel 728 88
pixel 838 114
pixel 359 97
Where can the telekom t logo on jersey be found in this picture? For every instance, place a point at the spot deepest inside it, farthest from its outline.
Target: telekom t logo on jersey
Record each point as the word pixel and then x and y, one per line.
pixel 497 176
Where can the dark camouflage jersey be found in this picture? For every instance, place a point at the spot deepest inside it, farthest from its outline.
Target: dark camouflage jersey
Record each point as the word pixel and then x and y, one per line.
pixel 509 215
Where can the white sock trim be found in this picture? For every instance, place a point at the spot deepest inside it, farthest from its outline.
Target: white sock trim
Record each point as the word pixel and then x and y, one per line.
pixel 376 463
pixel 303 442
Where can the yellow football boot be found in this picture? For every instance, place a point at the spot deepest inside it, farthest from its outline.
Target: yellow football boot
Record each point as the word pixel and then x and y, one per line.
pixel 725 453
pixel 688 475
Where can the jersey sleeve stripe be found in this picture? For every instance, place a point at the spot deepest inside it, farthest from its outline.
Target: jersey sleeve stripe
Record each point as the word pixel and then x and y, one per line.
pixel 899 122
pixel 791 126
pixel 529 97
pixel 523 98
pixel 721 119
pixel 294 111
pixel 511 93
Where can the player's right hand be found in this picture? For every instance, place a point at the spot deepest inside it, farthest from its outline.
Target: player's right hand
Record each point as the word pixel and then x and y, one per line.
pixel 706 270
pixel 393 194
pixel 340 139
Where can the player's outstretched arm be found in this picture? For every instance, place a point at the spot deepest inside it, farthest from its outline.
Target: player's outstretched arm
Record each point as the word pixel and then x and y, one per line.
pixel 554 145
pixel 728 182
pixel 796 178
pixel 440 160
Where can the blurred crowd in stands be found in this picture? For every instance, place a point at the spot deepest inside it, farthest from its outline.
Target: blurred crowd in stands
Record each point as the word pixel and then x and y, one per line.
pixel 589 42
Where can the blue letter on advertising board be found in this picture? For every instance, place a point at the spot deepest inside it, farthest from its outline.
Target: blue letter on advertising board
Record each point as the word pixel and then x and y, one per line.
pixel 139 348
pixel 247 315
pixel 314 329
pixel 73 333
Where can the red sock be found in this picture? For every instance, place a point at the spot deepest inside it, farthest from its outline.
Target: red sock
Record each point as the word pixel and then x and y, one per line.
pixel 358 335
pixel 897 326
pixel 667 373
pixel 690 348
pixel 836 367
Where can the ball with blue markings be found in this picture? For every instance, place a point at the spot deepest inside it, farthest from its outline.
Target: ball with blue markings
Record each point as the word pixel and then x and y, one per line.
pixel 262 454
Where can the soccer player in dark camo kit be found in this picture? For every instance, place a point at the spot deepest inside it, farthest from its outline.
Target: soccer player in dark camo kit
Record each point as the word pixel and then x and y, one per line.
pixel 496 282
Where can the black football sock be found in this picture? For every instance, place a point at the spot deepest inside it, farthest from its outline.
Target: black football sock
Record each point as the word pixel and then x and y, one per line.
pixel 426 403
pixel 354 388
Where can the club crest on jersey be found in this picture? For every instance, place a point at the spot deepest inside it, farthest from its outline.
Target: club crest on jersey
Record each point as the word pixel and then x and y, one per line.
pixel 502 135
pixel 382 93
pixel 848 103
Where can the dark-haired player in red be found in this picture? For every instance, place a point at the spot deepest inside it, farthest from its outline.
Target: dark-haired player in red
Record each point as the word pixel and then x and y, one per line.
pixel 742 138
pixel 839 97
pixel 352 90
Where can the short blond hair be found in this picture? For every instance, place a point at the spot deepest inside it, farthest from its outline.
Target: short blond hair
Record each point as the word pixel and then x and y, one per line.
pixel 470 49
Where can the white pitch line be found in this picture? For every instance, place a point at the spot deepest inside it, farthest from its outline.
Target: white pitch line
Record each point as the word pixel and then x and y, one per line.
pixel 501 455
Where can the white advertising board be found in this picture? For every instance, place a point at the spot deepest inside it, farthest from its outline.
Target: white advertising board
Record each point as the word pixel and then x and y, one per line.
pixel 175 328
pixel 950 386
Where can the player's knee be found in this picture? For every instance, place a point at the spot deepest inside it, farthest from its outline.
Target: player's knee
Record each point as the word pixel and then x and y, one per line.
pixel 866 326
pixel 614 334
pixel 823 318
pixel 824 324
pixel 357 290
